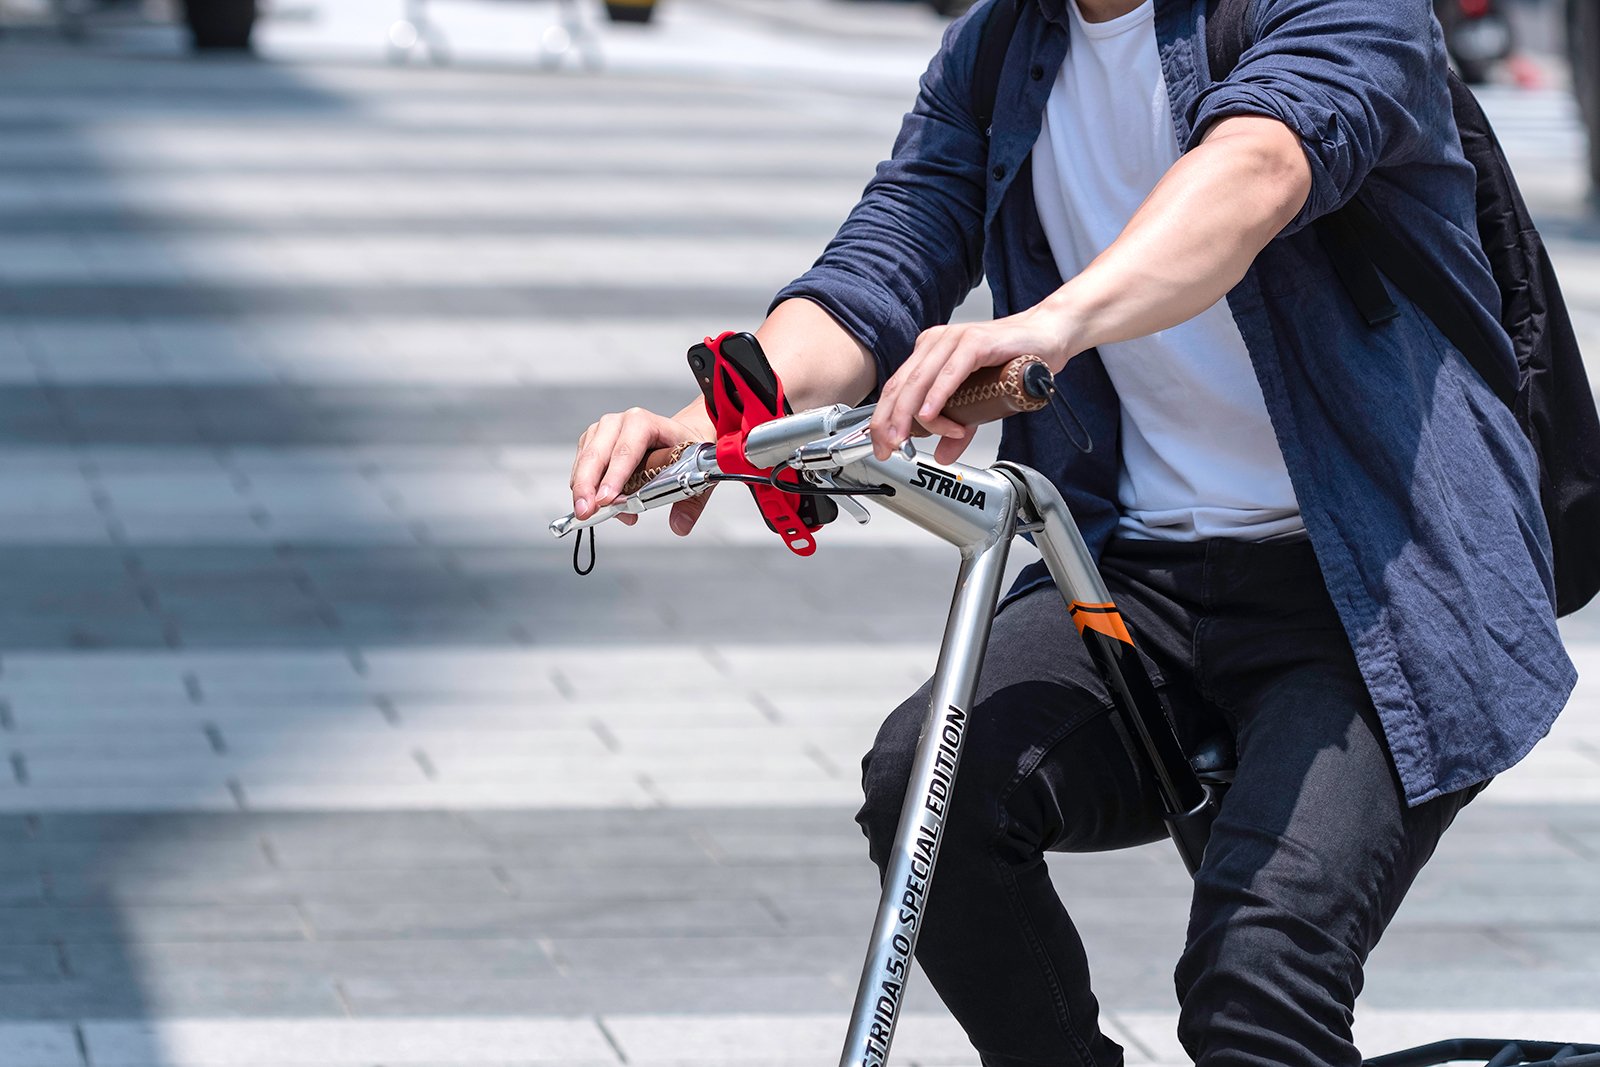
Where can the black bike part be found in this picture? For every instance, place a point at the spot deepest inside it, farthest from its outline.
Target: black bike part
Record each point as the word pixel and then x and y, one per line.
pixel 1188 807
pixel 1039 383
pixel 1492 1052
pixel 798 488
pixel 577 545
pixel 992 48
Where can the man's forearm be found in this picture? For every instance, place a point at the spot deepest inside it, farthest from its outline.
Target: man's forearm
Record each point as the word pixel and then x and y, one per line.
pixel 1193 238
pixel 818 361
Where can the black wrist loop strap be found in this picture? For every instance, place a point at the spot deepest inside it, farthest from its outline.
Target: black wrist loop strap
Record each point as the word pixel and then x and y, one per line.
pixel 577 545
pixel 1037 379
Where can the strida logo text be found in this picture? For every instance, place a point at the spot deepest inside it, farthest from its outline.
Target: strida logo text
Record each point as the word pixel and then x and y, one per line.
pixel 937 481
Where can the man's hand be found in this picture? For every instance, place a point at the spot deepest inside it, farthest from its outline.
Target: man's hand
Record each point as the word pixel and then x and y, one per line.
pixel 945 357
pixel 611 449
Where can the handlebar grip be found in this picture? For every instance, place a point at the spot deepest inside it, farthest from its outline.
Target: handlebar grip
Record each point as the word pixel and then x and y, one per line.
pixel 654 463
pixel 992 393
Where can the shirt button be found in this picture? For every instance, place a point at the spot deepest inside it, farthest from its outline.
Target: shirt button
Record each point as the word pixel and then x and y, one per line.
pixel 999 173
pixel 1036 73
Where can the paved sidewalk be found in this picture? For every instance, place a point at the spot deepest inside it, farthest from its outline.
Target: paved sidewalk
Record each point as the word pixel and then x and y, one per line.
pixel 318 754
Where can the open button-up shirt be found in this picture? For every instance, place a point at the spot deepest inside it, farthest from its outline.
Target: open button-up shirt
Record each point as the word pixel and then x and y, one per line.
pixel 1417 488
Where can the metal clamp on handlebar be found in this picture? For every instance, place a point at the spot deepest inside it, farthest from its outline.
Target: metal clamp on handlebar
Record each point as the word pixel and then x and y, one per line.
pixel 834 452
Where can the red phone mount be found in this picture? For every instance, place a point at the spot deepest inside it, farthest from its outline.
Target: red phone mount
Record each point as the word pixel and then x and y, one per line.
pixel 736 407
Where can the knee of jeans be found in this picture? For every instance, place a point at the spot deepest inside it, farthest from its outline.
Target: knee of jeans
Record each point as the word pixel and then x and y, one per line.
pixel 886 773
pixel 1260 979
pixel 970 817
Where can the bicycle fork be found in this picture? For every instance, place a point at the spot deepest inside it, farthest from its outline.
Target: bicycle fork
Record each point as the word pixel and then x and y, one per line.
pixel 1022 501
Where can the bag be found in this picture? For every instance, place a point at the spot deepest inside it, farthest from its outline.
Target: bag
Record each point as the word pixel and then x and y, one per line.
pixel 1551 397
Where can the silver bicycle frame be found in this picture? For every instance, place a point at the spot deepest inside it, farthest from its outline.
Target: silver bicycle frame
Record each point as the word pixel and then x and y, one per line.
pixel 979 511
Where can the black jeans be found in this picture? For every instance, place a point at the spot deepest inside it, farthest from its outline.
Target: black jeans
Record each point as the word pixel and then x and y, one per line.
pixel 1311 854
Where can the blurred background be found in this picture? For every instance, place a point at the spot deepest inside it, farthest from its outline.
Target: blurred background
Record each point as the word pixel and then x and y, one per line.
pixel 316 752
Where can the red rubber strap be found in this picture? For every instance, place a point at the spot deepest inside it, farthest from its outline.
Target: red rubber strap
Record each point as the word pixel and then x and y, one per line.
pixel 740 410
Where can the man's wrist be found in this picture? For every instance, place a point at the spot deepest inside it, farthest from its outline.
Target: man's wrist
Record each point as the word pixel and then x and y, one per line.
pixel 1061 317
pixel 694 416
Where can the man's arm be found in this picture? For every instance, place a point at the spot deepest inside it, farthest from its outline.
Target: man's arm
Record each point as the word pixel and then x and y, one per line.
pixel 1333 89
pixel 902 260
pixel 1189 243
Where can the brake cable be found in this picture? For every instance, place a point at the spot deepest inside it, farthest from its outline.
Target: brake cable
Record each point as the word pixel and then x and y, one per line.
pixel 795 488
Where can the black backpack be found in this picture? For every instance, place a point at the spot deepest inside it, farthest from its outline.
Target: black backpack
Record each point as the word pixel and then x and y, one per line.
pixel 1551 399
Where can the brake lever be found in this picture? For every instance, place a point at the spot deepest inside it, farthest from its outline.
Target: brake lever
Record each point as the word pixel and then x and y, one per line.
pixel 857 510
pixel 688 476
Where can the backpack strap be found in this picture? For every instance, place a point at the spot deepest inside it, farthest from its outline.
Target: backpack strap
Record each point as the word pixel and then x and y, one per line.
pixel 1422 284
pixel 1227 35
pixel 998 29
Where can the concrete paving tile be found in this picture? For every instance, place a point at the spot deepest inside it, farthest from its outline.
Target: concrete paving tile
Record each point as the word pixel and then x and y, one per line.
pixel 38 1045
pixel 841 843
pixel 103 829
pixel 1407 947
pixel 294 718
pixel 1472 987
pixel 623 854
pixel 789 1038
pixel 338 1042
pixel 405 996
pixel 385 843
pixel 478 672
pixel 200 770
pixel 1575 947
pixel 125 746
pixel 21 887
pixel 851 883
pixel 543 714
pixel 436 796
pixel 198 797
pixel 298 961
pixel 158 851
pixel 131 924
pixel 541 917
pixel 198 885
pixel 29 963
pixel 578 745
pixel 734 958
pixel 687 792
pixel 1381 1031
pixel 532 826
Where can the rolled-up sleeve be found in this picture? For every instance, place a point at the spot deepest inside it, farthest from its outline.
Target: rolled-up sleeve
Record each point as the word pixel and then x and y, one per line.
pixel 1357 80
pixel 912 248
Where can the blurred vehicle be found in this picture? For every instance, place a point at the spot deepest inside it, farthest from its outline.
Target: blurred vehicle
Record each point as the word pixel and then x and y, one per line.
pixel 630 10
pixel 1583 50
pixel 220 24
pixel 950 7
pixel 1477 35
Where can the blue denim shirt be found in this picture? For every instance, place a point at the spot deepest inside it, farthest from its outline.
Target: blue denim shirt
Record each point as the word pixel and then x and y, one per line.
pixel 1416 486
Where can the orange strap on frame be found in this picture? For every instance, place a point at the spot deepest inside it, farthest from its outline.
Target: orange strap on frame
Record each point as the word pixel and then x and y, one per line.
pixel 1101 617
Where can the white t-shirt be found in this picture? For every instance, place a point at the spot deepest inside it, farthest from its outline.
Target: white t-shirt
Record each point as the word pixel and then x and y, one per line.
pixel 1199 458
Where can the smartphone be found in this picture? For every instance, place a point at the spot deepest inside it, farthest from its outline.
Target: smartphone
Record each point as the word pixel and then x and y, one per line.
pixel 742 355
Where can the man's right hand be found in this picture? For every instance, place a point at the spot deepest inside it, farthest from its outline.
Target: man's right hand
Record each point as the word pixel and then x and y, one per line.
pixel 611 449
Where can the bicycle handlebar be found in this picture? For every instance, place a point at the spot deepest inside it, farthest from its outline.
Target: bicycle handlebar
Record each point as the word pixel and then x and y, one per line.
pixel 990 393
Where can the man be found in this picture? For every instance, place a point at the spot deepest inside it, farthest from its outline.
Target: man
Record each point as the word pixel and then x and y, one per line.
pixel 1327 535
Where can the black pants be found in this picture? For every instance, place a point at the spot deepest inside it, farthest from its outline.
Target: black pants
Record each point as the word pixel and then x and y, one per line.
pixel 1310 857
